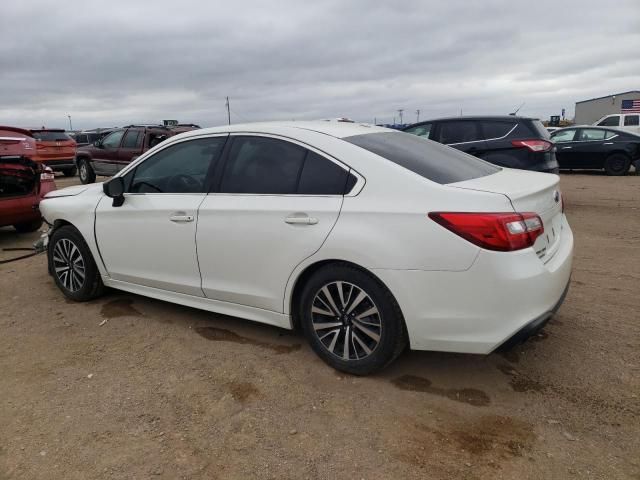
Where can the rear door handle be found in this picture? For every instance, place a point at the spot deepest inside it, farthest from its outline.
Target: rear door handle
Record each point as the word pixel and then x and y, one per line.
pixel 181 217
pixel 301 220
pixel 566 148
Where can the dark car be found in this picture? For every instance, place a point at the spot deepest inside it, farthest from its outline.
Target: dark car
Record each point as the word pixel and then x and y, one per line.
pixel 598 148
pixel 116 150
pixel 508 141
pixel 89 137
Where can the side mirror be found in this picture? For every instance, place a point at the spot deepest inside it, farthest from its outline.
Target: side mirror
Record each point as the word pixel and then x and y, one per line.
pixel 97 144
pixel 114 188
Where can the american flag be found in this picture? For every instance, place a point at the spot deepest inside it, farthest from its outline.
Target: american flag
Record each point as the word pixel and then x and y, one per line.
pixel 630 106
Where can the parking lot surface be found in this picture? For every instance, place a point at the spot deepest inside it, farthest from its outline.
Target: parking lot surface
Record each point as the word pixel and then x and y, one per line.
pixel 129 387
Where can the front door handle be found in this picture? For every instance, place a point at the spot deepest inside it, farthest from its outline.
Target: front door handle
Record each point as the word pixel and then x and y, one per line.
pixel 301 220
pixel 566 148
pixel 181 217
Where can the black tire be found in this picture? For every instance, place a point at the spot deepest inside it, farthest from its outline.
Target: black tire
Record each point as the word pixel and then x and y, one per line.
pixel 28 226
pixel 391 333
pixel 60 254
pixel 86 173
pixel 617 164
pixel 70 172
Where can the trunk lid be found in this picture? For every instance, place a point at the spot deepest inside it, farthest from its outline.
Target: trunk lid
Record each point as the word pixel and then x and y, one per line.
pixel 528 192
pixel 19 177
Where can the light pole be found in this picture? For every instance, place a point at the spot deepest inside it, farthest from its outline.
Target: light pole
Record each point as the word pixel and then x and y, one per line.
pixel 400 110
pixel 70 126
pixel 417 115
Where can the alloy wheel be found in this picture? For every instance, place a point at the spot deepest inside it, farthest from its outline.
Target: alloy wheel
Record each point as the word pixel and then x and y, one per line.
pixel 68 264
pixel 83 171
pixel 346 320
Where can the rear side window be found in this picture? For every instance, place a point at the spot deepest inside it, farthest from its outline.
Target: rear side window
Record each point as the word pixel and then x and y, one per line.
pixel 612 121
pixel 321 176
pixel 459 131
pixel 50 136
pixel 131 139
pixel 631 120
pixel 262 165
pixel 494 129
pixel 587 135
pixel 430 160
pixel 537 128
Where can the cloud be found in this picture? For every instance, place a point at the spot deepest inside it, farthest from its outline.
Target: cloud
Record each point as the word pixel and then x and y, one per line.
pixel 120 62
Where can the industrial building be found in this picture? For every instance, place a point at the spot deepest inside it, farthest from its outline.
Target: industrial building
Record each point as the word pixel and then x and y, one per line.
pixel 588 111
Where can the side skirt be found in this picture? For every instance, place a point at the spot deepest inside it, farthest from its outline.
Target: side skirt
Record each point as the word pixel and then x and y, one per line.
pixel 225 308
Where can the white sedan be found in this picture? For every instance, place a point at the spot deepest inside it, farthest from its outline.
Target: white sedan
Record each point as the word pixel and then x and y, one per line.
pixel 369 239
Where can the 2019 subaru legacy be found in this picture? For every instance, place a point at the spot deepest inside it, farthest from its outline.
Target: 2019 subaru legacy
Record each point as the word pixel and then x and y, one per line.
pixel 508 141
pixel 368 238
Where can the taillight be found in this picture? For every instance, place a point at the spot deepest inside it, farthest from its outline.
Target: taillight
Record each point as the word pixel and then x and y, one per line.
pixel 47 175
pixel 503 232
pixel 533 145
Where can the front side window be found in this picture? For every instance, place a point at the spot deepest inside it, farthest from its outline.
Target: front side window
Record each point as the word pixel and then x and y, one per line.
pixel 564 136
pixel 430 160
pixel 631 120
pixel 612 121
pixel 458 132
pixel 132 139
pixel 588 135
pixel 179 168
pixel 112 140
pixel 420 130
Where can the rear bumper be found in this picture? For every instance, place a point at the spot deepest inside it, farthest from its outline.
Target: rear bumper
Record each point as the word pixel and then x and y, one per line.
pixel 479 309
pixel 60 164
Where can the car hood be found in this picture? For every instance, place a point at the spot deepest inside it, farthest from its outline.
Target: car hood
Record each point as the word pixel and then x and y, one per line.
pixel 74 190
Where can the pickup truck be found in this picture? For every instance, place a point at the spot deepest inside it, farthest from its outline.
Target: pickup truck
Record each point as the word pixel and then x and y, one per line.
pixel 110 154
pixel 623 121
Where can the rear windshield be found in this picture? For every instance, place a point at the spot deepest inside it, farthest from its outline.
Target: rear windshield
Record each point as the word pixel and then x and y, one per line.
pixel 50 136
pixel 431 160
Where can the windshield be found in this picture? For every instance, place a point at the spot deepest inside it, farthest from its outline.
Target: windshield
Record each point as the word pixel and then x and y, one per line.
pixel 431 160
pixel 49 136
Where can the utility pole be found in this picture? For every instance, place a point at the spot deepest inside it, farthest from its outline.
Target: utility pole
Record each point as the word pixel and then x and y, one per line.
pixel 70 126
pixel 375 121
pixel 400 113
pixel 417 115
pixel 228 111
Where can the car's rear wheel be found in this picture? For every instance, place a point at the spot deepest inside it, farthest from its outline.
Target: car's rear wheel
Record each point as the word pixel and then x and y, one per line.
pixel 70 172
pixel 86 173
pixel 617 164
pixel 28 226
pixel 72 265
pixel 351 320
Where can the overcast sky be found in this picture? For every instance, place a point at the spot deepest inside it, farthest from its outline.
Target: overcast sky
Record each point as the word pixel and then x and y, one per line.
pixel 117 62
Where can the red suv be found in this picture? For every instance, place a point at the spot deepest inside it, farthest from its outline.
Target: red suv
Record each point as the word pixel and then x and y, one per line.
pixel 23 182
pixel 115 151
pixel 55 149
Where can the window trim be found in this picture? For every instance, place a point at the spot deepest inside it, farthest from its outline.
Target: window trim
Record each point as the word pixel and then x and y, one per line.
pixel 217 180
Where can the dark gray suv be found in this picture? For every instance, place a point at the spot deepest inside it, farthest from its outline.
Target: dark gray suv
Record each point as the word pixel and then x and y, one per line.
pixel 508 141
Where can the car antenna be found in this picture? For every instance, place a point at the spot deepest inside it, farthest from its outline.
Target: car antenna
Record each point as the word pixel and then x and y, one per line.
pixel 517 109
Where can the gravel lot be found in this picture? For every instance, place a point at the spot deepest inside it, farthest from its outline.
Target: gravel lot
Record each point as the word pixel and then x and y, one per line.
pixel 128 387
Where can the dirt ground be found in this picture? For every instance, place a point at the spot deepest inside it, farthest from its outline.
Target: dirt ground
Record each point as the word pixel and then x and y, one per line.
pixel 128 387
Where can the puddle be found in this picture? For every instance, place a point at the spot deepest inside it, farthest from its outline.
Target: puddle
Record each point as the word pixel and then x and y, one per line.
pixel 120 307
pixel 471 396
pixel 241 391
pixel 495 435
pixel 519 382
pixel 222 335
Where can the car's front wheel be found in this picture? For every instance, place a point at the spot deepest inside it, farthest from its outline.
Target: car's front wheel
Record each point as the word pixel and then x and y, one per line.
pixel 72 265
pixel 85 172
pixel 351 320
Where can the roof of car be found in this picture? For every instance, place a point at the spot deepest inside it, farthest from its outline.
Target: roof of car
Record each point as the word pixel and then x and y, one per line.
pixel 474 117
pixel 36 130
pixel 333 128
